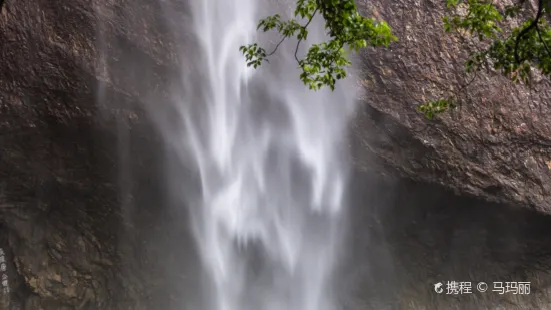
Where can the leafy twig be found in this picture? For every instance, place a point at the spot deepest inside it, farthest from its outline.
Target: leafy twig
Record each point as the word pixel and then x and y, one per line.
pixel 323 63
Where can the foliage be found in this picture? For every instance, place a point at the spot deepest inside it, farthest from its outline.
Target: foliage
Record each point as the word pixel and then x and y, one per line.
pixel 512 51
pixel 323 63
pixel 435 107
pixel 515 51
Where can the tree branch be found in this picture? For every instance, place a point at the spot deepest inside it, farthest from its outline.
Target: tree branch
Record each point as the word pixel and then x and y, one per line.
pixel 296 50
pixel 275 49
pixel 527 29
pixel 284 37
pixel 305 26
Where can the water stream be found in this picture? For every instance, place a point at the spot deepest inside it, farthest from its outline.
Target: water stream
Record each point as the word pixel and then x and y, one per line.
pixel 271 159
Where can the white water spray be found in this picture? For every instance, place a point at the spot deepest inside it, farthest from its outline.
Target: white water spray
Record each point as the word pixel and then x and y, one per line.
pixel 269 153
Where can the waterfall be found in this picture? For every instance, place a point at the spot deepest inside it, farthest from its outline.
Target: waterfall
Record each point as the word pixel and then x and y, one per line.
pixel 271 161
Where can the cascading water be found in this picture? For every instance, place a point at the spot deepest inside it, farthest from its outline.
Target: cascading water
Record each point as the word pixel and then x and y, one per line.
pixel 269 155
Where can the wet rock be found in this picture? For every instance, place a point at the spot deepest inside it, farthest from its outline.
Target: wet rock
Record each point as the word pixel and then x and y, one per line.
pixel 496 145
pixel 64 101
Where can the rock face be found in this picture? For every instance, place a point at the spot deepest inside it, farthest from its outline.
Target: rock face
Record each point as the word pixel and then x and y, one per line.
pixel 68 99
pixel 407 236
pixel 496 145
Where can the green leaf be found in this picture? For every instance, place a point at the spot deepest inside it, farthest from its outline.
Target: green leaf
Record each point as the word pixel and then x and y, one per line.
pixel 325 63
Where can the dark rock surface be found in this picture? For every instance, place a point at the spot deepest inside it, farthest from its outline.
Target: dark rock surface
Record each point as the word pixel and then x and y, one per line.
pixel 72 142
pixel 497 145
pixel 406 236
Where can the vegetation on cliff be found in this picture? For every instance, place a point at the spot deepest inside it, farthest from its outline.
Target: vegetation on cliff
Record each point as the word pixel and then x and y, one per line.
pixel 516 49
pixel 324 63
